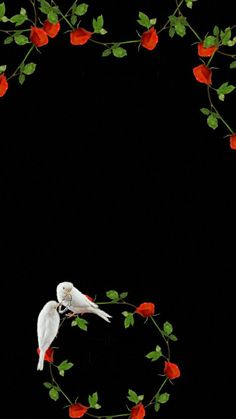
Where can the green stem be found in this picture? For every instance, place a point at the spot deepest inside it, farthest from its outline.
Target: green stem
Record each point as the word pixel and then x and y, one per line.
pixel 105 416
pixel 57 385
pixel 217 112
pixel 117 302
pixel 190 27
pixel 163 336
pixel 107 44
pixel 64 17
pixel 158 391
pixel 22 62
pixel 173 14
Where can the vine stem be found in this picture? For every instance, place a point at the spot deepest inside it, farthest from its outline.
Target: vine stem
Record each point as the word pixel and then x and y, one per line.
pixel 161 332
pixel 22 62
pixel 57 385
pixel 217 112
pixel 158 391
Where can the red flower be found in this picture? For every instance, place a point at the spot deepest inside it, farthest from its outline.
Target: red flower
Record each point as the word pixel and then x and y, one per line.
pixel 3 85
pixel 149 39
pixel 89 298
pixel 232 139
pixel 77 410
pixel 80 36
pixel 49 354
pixel 38 36
pixel 137 412
pixel 171 370
pixel 51 29
pixel 203 74
pixel 206 51
pixel 145 309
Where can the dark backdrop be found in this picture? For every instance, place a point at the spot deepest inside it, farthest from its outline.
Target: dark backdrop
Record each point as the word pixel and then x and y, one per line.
pixel 112 179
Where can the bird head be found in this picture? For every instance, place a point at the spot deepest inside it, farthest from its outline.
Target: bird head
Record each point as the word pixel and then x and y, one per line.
pixel 65 288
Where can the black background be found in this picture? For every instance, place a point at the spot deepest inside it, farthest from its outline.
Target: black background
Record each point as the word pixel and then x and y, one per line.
pixel 111 178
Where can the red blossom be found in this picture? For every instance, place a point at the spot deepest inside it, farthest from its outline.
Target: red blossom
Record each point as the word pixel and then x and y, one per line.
pixel 232 143
pixel 149 39
pixel 89 298
pixel 146 309
pixel 3 84
pixel 51 29
pixel 77 410
pixel 80 36
pixel 137 412
pixel 171 370
pixel 206 51
pixel 38 36
pixel 203 74
pixel 49 354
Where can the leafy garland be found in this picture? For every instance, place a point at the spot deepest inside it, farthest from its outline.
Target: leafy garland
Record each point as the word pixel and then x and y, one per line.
pixel 138 409
pixel 45 18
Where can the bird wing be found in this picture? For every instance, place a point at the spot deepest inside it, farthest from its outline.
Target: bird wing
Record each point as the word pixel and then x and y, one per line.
pixel 80 300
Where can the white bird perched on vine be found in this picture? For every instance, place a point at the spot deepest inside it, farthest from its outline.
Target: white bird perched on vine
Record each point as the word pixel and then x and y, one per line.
pixel 71 298
pixel 47 328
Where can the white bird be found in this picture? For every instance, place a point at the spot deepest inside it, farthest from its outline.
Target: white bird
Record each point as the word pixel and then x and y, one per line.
pixel 71 298
pixel 47 328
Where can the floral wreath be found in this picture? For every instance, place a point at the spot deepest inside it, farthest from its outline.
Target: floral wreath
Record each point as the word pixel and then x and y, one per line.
pixel 45 19
pixel 138 409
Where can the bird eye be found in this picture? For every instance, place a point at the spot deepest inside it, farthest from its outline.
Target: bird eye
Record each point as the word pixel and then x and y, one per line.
pixel 63 288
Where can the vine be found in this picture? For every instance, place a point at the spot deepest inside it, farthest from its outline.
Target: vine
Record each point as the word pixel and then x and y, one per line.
pixel 36 26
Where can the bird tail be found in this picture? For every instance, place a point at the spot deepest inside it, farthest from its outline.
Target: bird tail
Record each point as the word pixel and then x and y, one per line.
pixel 41 360
pixel 105 316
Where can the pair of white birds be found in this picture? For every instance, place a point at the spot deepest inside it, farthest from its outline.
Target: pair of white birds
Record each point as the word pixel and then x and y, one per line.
pixel 49 320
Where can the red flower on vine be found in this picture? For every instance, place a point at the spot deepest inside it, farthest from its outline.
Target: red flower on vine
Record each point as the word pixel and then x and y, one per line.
pixel 49 354
pixel 3 85
pixel 146 309
pixel 77 410
pixel 171 370
pixel 206 51
pixel 51 29
pixel 80 36
pixel 137 412
pixel 89 298
pixel 203 74
pixel 232 139
pixel 149 39
pixel 38 36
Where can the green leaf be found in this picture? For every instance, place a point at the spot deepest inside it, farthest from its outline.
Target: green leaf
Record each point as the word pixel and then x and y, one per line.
pixel 65 365
pixel 8 40
pixel 123 295
pixel 205 111
pixel 98 24
pixel 210 41
pixel 171 32
pixel 47 385
pixel 153 21
pixel 81 9
pixel 133 397
pixel 129 320
pixel 180 29
pixel 119 52
pixel 144 20
pixel 216 30
pixel 232 64
pixel 52 17
pixel 103 31
pixel 54 394
pixel 21 39
pixel 225 36
pixel 154 356
pixel 157 406
pixel 2 68
pixel 21 78
pixel 97 406
pixel 29 68
pixel 2 10
pixel 18 19
pixel 212 121
pixel 81 323
pixel 163 398
pixel 112 294
pixel 225 89
pixel 168 328
pixel 45 7
pixel 23 11
pixel 73 19
pixel 93 399
pixel 173 338
pixel 189 4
